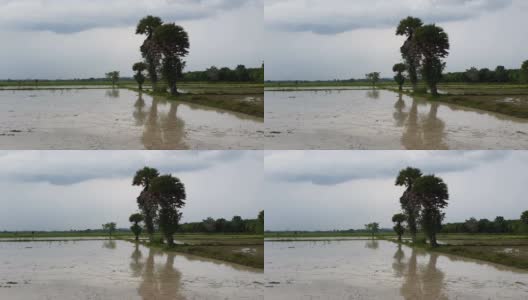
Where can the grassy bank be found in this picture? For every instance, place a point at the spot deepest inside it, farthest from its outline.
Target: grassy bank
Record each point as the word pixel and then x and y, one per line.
pixel 323 234
pixel 507 250
pixel 246 99
pixel 229 248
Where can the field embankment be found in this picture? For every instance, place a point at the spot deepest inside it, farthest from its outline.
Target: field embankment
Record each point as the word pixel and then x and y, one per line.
pixel 247 250
pixel 508 250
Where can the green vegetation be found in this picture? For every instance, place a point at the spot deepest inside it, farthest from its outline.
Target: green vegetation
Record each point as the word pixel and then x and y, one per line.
pixel 498 226
pixel 160 203
pixel 136 228
pixel 149 51
pixel 423 200
pixel 110 228
pixel 221 225
pixel 409 49
pixel 423 50
pixel 398 228
pixel 221 247
pixel 139 67
pixel 225 74
pixel 373 228
pixel 253 106
pixel 373 77
pixel 113 77
pixel 399 68
pixel 146 202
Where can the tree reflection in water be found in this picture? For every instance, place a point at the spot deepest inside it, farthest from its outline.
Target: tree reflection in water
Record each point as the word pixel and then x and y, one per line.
pixel 158 282
pixel 425 133
pixel 419 282
pixel 163 132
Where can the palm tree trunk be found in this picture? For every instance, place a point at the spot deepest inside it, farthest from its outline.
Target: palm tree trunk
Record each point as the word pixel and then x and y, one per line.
pixel 434 90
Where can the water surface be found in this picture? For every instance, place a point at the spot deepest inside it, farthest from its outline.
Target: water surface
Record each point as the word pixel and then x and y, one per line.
pixel 118 270
pixel 118 119
pixel 381 119
pixel 382 270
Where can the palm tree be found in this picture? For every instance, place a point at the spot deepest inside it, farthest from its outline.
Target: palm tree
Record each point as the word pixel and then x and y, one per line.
pixel 409 50
pixel 170 194
pixel 149 49
pixel 433 44
pixel 399 78
pixel 173 42
pixel 433 195
pixel 146 202
pixel 139 67
pixel 409 202
pixel 398 228
pixel 136 228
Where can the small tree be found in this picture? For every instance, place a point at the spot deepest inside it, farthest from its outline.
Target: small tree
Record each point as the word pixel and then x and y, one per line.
pixel 524 217
pixel 170 193
pixel 113 76
pixel 110 228
pixel 373 77
pixel 524 72
pixel 373 228
pixel 139 67
pixel 433 44
pixel 260 227
pixel 398 228
pixel 399 78
pixel 136 228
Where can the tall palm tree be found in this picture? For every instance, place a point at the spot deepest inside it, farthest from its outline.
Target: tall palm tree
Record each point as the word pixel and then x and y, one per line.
pixel 149 50
pixel 409 50
pixel 169 191
pixel 146 202
pixel 173 42
pixel 409 201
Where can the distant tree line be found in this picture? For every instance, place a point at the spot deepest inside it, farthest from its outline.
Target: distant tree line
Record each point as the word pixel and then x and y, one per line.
pixel 499 75
pixel 239 74
pixel 221 225
pixel 498 225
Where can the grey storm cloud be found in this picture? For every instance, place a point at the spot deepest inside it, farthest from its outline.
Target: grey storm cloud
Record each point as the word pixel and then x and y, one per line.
pixel 336 167
pixel 66 167
pixel 72 16
pixel 337 16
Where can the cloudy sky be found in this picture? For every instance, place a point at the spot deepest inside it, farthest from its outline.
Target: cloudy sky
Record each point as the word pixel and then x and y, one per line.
pixel 324 190
pixel 315 39
pixel 49 39
pixel 62 190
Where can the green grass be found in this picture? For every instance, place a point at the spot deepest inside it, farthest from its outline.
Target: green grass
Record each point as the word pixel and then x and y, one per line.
pixel 233 102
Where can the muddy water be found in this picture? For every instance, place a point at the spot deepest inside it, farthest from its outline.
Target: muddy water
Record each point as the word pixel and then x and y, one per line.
pixel 382 270
pixel 118 119
pixel 380 119
pixel 118 270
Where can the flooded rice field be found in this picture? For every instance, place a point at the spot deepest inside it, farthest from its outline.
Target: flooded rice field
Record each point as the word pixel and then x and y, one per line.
pixel 379 269
pixel 382 119
pixel 118 119
pixel 118 270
